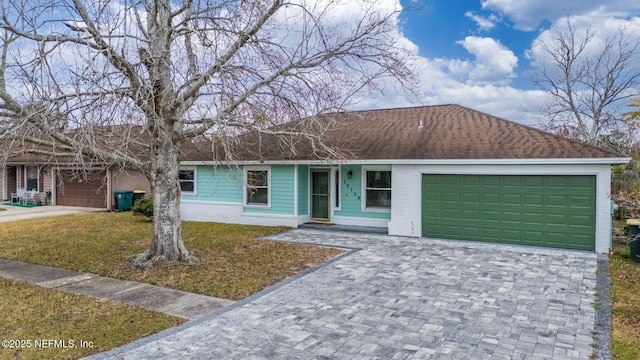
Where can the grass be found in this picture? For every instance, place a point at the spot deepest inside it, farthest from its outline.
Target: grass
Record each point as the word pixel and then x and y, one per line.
pixel 81 325
pixel 234 265
pixel 625 298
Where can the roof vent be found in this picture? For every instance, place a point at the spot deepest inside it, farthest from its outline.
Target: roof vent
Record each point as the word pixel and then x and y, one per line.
pixel 421 125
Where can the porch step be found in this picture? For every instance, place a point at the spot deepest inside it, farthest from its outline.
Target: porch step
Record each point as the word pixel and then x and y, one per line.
pixel 351 228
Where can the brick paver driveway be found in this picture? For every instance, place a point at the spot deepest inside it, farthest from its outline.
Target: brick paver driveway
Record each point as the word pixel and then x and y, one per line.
pixel 397 298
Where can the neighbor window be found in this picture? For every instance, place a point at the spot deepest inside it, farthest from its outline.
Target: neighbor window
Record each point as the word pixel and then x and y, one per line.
pixel 257 190
pixel 187 179
pixel 378 189
pixel 32 178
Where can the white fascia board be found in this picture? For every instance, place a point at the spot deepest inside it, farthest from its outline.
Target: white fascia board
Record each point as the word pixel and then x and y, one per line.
pixel 567 161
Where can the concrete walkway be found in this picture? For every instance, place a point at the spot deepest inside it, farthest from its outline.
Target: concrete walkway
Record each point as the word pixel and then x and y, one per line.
pixel 175 302
pixel 15 213
pixel 400 298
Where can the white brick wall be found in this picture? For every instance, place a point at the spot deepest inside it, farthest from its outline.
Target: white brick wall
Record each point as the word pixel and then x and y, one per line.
pixel 231 213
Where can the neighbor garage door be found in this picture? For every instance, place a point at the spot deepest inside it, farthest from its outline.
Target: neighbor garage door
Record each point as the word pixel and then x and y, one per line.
pixel 553 211
pixel 89 191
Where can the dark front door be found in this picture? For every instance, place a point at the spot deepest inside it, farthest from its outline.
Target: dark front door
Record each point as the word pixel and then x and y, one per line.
pixel 320 194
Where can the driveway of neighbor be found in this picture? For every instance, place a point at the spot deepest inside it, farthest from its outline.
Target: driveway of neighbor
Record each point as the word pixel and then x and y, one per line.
pixel 15 213
pixel 397 298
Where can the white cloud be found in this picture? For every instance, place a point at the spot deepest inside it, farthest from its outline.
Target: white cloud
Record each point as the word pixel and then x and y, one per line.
pixel 440 86
pixel 494 62
pixel 499 100
pixel 484 23
pixel 598 26
pixel 527 15
pixel 483 83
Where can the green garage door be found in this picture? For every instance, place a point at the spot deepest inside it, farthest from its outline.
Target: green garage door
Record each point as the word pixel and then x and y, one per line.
pixel 551 211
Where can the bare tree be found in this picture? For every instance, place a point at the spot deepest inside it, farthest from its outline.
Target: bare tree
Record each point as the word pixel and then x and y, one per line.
pixel 129 83
pixel 586 78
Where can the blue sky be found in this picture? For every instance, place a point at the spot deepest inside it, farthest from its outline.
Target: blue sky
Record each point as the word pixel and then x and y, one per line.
pixel 452 21
pixel 479 53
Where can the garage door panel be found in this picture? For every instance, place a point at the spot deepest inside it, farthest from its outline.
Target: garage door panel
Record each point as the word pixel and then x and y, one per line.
pixel 471 214
pixel 510 199
pixel 584 221
pixel 509 216
pixel 533 218
pixel 536 236
pixel 450 230
pixel 490 198
pixel 490 233
pixel 556 211
pixel 470 198
pixel 469 180
pixel 580 201
pixel 490 215
pixel 534 200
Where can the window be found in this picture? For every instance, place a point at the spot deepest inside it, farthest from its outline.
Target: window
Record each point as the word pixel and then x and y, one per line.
pixel 257 192
pixel 187 179
pixel 32 178
pixel 378 189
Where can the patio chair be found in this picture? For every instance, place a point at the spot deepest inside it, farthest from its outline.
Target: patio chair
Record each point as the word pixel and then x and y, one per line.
pixel 29 196
pixel 16 198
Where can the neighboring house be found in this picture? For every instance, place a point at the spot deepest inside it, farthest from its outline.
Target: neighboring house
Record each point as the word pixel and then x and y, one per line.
pixel 58 181
pixel 59 185
pixel 436 171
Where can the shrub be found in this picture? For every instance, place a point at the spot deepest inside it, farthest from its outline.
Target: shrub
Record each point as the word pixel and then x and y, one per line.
pixel 143 207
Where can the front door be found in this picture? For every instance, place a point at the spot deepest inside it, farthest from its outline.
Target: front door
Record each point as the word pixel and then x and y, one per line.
pixel 320 194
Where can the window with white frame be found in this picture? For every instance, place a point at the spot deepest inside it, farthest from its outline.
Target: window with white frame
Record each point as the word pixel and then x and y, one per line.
pixel 257 187
pixel 33 178
pixel 187 179
pixel 378 189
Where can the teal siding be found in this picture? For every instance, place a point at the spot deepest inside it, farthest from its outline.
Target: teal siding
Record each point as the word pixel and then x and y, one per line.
pixel 351 196
pixel 282 192
pixel 225 184
pixel 303 189
pixel 217 183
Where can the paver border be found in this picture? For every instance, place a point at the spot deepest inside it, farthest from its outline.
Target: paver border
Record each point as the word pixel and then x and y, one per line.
pixel 603 313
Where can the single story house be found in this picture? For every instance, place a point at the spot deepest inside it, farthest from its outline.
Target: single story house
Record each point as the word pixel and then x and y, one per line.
pixel 58 184
pixel 447 172
pixel 58 180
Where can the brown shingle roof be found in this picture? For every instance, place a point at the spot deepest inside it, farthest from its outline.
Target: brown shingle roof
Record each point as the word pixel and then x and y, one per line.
pixel 447 132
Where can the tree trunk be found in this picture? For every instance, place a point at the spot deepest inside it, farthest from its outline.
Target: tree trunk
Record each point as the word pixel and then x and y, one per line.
pixel 167 243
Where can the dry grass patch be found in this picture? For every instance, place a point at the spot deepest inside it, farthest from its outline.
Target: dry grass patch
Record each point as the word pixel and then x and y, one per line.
pixel 33 315
pixel 234 264
pixel 625 302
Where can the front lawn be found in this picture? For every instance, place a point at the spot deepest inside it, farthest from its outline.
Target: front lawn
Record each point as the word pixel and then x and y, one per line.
pixel 234 265
pixel 41 323
pixel 625 300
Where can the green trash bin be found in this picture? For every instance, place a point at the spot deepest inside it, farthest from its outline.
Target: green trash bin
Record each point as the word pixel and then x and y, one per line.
pixel 124 200
pixel 137 195
pixel 634 249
